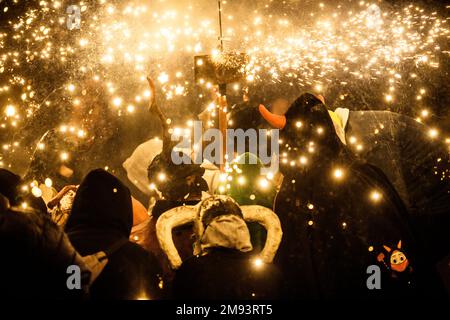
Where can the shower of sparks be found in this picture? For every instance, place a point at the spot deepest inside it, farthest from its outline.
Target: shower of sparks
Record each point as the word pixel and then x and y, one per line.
pixel 119 43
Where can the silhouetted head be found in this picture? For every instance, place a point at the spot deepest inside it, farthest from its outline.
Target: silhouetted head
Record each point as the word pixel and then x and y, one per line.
pixel 102 203
pixel 10 187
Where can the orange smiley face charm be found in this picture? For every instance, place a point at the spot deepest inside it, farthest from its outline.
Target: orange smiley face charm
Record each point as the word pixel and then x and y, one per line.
pixel 398 259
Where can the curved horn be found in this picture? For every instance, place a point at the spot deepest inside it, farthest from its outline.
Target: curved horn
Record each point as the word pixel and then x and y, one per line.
pixel 152 92
pixel 269 220
pixel 4 204
pixel 321 98
pixel 154 107
pixel 276 121
pixel 166 222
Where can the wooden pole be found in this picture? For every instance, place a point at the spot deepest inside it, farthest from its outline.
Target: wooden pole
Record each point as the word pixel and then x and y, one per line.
pixel 223 124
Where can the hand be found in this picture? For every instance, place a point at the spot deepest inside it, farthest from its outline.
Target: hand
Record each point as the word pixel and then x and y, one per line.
pixel 55 201
pixel 68 188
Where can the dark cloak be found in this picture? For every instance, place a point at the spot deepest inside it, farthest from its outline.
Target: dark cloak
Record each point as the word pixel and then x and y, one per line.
pixel 35 256
pixel 332 229
pixel 226 274
pixel 418 166
pixel 101 217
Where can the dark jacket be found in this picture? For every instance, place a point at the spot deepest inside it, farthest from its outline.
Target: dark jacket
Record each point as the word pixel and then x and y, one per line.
pixel 10 184
pixel 226 274
pixel 35 256
pixel 101 217
pixel 418 167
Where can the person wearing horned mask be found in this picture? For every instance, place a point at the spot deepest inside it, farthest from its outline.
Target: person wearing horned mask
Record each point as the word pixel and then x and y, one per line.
pixel 222 266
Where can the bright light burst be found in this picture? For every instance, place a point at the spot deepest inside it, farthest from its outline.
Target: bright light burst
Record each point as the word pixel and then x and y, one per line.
pixel 120 43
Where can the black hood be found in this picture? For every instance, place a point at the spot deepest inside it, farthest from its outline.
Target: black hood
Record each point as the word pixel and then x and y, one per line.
pixel 102 203
pixel 303 106
pixel 312 114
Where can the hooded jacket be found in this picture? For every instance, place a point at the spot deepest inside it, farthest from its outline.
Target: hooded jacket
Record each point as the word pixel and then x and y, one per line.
pixel 102 219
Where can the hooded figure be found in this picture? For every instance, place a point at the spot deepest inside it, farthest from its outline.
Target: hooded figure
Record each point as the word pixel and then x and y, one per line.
pixel 101 220
pixel 337 214
pixel 417 165
pixel 36 255
pixel 222 267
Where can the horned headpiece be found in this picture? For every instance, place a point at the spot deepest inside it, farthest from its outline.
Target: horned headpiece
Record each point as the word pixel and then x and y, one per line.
pixel 207 212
